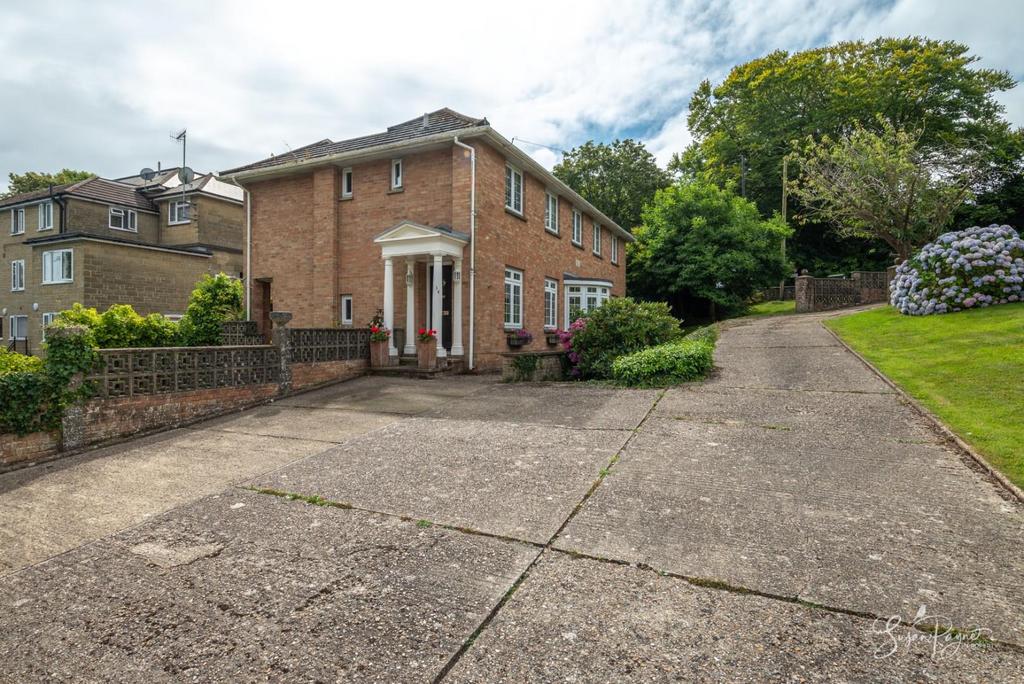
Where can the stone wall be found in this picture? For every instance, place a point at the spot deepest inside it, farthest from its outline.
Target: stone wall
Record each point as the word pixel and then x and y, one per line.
pixel 826 294
pixel 548 366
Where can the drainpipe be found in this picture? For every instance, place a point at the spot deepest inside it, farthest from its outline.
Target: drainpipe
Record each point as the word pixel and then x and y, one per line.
pixel 472 249
pixel 248 248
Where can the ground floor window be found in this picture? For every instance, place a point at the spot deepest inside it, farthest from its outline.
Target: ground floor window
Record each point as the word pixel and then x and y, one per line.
pixel 583 297
pixel 18 329
pixel 346 309
pixel 48 318
pixel 550 303
pixel 513 298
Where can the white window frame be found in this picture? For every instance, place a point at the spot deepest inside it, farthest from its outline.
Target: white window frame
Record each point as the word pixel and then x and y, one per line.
pixel 513 189
pixel 551 213
pixel 550 304
pixel 397 174
pixel 45 216
pixel 597 239
pixel 513 315
pixel 48 318
pixel 591 294
pixel 129 219
pixel 615 249
pixel 577 227
pixel 18 269
pixel 48 266
pixel 346 299
pixel 18 221
pixel 174 216
pixel 12 327
pixel 346 183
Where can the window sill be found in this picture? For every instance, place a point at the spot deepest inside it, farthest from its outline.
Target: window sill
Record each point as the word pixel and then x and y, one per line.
pixel 58 282
pixel 597 255
pixel 43 230
pixel 396 191
pixel 577 245
pixel 345 198
pixel 124 230
pixel 170 223
pixel 517 214
pixel 553 233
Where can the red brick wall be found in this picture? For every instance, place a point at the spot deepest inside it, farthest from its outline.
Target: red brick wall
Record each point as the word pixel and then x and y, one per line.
pixel 307 375
pixel 32 447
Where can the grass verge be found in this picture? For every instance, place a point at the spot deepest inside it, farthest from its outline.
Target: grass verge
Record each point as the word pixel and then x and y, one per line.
pixel 967 368
pixel 770 309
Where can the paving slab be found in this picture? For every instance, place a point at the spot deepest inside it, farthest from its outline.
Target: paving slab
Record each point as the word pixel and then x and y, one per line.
pixel 252 587
pixel 804 368
pixel 53 507
pixel 503 478
pixel 327 425
pixel 783 331
pixel 404 396
pixel 576 405
pixel 577 620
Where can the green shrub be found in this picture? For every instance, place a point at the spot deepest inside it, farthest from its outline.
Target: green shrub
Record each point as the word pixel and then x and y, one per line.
pixel 158 331
pixel 121 326
pixel 666 364
pixel 12 362
pixel 620 326
pixel 707 333
pixel 80 315
pixel 215 300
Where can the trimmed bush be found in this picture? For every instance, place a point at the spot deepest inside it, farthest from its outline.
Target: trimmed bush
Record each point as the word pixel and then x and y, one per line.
pixel 12 362
pixel 963 269
pixel 121 326
pixel 215 300
pixel 666 364
pixel 620 326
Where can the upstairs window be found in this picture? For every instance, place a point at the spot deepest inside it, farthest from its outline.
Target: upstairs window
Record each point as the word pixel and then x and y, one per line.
pixel 179 211
pixel 577 228
pixel 346 183
pixel 46 216
pixel 17 221
pixel 58 267
pixel 615 249
pixel 514 189
pixel 396 174
pixel 123 219
pixel 17 275
pixel 597 239
pixel 550 304
pixel 551 213
pixel 513 298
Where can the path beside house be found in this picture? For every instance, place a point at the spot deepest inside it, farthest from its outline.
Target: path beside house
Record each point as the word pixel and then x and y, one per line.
pixel 761 526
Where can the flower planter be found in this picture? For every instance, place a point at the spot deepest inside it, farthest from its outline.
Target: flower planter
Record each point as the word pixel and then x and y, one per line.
pixel 514 341
pixel 379 354
pixel 426 354
pixel 553 338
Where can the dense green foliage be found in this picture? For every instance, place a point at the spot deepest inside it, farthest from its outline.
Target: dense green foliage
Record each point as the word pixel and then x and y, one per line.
pixel 215 300
pixel 753 117
pixel 619 179
pixel 18 183
pixel 685 360
pixel 13 362
pixel 121 327
pixel 966 367
pixel 705 250
pixel 620 326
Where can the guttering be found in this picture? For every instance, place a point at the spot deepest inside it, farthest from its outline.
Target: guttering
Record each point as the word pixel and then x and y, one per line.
pixel 247 200
pixel 472 248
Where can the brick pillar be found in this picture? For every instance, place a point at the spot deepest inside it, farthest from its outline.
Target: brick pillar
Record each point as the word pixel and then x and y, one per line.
pixel 325 248
pixel 72 422
pixel 804 294
pixel 282 339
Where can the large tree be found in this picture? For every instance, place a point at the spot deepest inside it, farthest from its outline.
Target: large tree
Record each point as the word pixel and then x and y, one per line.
pixel 704 250
pixel 40 180
pixel 619 179
pixel 748 123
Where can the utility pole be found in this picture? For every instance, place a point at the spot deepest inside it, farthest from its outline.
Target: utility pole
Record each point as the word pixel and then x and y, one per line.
pixel 785 178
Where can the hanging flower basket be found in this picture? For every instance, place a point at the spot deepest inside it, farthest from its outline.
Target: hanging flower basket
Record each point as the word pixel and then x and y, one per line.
pixel 519 338
pixel 553 337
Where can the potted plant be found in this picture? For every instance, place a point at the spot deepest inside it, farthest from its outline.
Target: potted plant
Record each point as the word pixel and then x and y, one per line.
pixel 519 338
pixel 426 349
pixel 379 336
pixel 553 337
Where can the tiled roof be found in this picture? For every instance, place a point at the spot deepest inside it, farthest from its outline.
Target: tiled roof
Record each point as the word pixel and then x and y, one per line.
pixel 441 121
pixel 36 194
pixel 104 190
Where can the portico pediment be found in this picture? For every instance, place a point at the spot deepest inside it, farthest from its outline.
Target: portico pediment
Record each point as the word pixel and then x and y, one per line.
pixel 409 238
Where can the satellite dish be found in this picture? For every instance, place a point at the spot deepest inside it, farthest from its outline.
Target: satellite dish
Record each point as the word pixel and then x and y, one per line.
pixel 186 175
pixel 147 174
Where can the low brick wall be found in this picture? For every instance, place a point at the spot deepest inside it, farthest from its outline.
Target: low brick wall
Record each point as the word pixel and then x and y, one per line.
pixel 548 366
pixel 309 375
pixel 37 446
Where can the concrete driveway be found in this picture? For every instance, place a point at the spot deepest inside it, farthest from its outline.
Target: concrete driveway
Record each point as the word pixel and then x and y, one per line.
pixel 790 519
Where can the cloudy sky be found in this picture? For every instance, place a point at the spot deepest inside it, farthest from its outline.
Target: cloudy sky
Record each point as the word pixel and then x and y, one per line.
pixel 101 85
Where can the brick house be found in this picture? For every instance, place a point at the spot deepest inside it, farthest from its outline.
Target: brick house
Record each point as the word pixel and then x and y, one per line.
pixel 437 222
pixel 98 242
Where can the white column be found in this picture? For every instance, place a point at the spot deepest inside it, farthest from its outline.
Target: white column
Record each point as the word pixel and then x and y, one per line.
pixel 457 309
pixel 410 311
pixel 389 304
pixel 435 322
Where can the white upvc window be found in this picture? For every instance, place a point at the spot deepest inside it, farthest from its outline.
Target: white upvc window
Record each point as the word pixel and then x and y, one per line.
pixel 45 216
pixel 178 212
pixel 584 297
pixel 513 298
pixel 551 213
pixel 18 328
pixel 513 189
pixel 346 183
pixel 396 174
pixel 17 275
pixel 48 318
pixel 577 227
pixel 123 219
pixel 597 239
pixel 346 309
pixel 615 249
pixel 58 266
pixel 17 221
pixel 550 304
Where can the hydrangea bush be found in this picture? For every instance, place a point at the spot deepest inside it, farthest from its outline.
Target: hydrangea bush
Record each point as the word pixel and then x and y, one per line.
pixel 963 269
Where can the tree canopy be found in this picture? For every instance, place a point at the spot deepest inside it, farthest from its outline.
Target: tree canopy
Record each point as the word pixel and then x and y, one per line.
pixel 619 179
pixel 754 116
pixel 704 250
pixel 40 180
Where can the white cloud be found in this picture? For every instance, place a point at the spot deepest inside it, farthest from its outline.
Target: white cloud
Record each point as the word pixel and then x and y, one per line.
pixel 100 86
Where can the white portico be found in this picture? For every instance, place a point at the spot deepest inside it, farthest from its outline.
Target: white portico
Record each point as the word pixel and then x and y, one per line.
pixel 436 247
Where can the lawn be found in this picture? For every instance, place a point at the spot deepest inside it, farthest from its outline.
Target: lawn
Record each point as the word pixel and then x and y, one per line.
pixel 966 367
pixel 771 308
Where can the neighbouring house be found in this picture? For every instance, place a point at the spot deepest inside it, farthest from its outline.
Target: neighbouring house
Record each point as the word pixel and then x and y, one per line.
pixel 438 222
pixel 133 240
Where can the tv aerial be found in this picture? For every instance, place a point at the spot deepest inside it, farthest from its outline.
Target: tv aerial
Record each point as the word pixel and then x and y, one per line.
pixel 185 174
